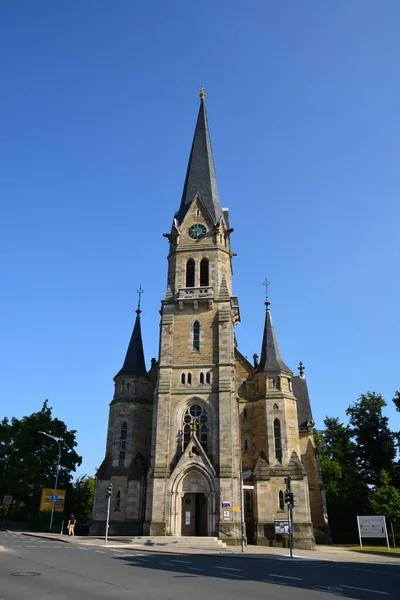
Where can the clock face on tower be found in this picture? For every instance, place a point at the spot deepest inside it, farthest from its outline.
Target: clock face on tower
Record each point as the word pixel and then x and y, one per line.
pixel 197 231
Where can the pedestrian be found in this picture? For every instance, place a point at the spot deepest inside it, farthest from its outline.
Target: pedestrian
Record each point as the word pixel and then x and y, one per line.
pixel 71 524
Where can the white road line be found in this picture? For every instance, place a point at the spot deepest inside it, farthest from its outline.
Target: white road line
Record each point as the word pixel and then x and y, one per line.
pixel 168 564
pixel 30 546
pixel 195 569
pixel 100 551
pixel 228 568
pixel 274 582
pixel 285 576
pixel 351 587
pixel 232 575
pixel 185 562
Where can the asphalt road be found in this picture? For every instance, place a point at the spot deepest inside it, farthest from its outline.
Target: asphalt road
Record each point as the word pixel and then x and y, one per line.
pixel 40 569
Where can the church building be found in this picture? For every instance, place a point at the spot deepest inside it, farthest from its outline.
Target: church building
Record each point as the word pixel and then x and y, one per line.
pixel 181 432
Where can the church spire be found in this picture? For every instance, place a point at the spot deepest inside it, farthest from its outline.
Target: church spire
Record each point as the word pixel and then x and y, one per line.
pixel 200 174
pixel 134 364
pixel 271 359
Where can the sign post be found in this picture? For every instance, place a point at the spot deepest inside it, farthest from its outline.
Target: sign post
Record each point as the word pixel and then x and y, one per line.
pixel 372 527
pixel 243 476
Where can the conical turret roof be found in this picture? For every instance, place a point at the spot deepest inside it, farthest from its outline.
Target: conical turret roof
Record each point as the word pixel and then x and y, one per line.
pixel 134 364
pixel 271 359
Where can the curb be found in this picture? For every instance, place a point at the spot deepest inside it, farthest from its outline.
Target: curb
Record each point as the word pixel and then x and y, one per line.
pixel 46 537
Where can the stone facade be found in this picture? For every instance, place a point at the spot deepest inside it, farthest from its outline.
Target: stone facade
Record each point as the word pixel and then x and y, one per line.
pixel 180 434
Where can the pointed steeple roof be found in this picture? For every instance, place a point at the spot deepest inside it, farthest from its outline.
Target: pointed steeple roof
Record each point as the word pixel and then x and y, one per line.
pixel 200 174
pixel 271 359
pixel 134 364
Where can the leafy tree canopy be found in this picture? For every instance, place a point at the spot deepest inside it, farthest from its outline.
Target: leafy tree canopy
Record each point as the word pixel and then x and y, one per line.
pixel 28 459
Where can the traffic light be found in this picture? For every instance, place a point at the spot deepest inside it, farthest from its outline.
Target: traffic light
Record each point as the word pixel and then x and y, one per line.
pixel 288 495
pixel 109 490
pixel 293 502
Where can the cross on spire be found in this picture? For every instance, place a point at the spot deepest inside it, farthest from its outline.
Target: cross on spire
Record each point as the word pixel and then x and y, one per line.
pixel 266 284
pixel 140 292
pixel 202 93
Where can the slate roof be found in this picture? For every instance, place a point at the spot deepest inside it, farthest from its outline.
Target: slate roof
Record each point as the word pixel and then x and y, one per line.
pixel 271 359
pixel 134 364
pixel 200 174
pixel 304 414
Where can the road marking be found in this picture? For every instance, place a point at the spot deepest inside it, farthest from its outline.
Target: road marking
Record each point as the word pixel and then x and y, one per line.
pixel 195 569
pixel 232 575
pixel 185 562
pixel 285 576
pixel 351 587
pixel 274 582
pixel 30 546
pixel 139 559
pixel 165 563
pixel 100 551
pixel 228 568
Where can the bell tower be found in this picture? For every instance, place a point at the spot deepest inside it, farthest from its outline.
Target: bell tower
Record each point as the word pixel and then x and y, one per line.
pixel 195 439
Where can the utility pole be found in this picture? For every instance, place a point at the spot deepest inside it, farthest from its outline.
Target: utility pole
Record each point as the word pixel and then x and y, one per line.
pixel 243 476
pixel 54 497
pixel 108 496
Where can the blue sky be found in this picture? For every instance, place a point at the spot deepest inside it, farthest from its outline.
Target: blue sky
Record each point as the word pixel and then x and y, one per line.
pixel 97 111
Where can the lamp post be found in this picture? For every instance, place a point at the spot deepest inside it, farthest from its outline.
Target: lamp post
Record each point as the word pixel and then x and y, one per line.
pixel 56 481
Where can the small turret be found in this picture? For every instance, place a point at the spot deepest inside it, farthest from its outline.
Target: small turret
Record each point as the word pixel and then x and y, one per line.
pixel 134 364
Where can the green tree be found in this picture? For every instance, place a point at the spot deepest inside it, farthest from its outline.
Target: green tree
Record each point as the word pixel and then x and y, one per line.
pixel 28 460
pixel 385 499
pixel 346 492
pixel 396 400
pixel 375 442
pixel 80 498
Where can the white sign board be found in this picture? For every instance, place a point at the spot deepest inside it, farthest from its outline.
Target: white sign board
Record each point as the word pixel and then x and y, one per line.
pixel 187 517
pixel 7 500
pixel 372 527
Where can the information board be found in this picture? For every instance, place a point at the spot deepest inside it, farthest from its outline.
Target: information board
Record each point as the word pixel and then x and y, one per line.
pixel 46 503
pixel 372 527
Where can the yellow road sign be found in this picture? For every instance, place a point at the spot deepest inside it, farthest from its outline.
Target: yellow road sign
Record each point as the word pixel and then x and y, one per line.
pixel 46 503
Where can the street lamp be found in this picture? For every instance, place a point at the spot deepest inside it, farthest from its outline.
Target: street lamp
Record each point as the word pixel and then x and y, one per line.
pixel 56 481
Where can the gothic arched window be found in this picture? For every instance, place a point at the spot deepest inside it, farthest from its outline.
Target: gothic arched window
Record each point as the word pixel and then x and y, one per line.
pixel 195 419
pixel 118 500
pixel 208 377
pixel 122 443
pixel 190 269
pixel 278 441
pixel 204 278
pixel 183 379
pixel 189 379
pixel 281 501
pixel 196 335
pixel 201 377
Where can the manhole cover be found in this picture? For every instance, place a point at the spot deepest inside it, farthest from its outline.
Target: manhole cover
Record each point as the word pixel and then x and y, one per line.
pixel 25 574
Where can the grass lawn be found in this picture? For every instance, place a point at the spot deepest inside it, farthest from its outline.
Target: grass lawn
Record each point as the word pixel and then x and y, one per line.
pixel 373 549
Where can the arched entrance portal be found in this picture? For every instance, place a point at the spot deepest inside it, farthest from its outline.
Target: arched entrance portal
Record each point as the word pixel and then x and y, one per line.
pixel 194 514
pixel 193 510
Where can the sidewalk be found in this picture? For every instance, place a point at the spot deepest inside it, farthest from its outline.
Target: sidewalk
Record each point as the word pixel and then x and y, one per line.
pixel 327 553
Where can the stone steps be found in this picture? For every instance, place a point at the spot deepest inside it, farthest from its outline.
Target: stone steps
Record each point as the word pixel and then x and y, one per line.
pixel 209 543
